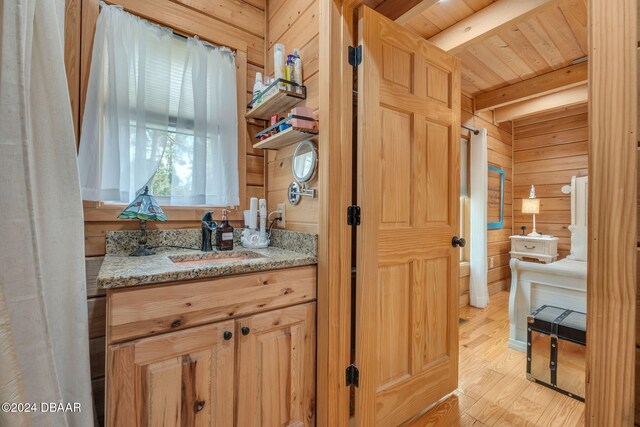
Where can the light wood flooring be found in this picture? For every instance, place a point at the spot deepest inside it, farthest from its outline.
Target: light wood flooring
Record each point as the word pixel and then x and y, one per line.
pixel 493 389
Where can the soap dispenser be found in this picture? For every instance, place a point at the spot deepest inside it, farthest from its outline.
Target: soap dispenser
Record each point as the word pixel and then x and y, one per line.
pixel 224 234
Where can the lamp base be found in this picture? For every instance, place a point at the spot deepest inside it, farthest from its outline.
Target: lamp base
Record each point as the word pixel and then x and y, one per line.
pixel 142 251
pixel 534 233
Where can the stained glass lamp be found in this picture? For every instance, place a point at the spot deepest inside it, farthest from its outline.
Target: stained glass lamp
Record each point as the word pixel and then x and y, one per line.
pixel 144 208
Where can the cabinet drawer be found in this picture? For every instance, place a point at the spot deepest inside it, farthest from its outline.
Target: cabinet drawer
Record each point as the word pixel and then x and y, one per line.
pixel 151 310
pixel 531 247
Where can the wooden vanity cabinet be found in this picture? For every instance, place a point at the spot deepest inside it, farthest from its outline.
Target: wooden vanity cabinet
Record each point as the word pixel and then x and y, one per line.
pixel 183 378
pixel 276 367
pixel 254 368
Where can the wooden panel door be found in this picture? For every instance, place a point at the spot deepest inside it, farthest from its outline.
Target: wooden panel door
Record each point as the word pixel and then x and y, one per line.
pixel 182 378
pixel 408 189
pixel 276 368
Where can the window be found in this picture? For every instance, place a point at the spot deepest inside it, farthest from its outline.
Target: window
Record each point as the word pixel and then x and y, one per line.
pixel 161 111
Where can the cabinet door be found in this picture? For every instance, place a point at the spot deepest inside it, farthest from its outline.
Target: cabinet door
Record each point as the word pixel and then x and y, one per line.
pixel 276 367
pixel 182 378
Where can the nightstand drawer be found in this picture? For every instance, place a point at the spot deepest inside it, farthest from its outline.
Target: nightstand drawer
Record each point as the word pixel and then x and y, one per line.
pixel 530 246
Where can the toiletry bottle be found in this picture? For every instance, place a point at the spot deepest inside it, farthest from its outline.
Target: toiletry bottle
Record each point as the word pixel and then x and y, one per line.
pixel 224 234
pixel 297 67
pixel 274 88
pixel 267 82
pixel 279 62
pixel 258 87
pixel 289 70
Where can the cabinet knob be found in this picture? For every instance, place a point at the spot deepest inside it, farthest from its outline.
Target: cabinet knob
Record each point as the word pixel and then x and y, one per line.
pixel 245 330
pixel 227 335
pixel 458 241
pixel 176 323
pixel 198 406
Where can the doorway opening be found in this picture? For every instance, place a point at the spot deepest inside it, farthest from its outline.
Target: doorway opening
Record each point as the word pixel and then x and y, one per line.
pixel 492 385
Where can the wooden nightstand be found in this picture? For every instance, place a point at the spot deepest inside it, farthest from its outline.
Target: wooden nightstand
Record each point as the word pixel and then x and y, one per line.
pixel 543 248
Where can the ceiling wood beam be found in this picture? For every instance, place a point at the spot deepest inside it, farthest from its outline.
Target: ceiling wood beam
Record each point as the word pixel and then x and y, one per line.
pixel 554 81
pixel 487 22
pixel 402 11
pixel 566 98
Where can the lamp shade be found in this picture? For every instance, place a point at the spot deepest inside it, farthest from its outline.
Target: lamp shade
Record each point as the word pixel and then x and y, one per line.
pixel 144 207
pixel 530 206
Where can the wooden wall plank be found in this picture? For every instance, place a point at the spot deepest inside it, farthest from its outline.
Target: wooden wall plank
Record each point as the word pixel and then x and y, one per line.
pixel 300 32
pixel 612 273
pixel 92 267
pixel 97 316
pixel 238 13
pixel 295 23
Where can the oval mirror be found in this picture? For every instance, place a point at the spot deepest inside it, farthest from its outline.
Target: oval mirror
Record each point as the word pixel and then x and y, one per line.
pixel 304 162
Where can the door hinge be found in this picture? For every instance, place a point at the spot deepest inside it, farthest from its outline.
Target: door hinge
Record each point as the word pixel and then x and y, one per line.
pixel 353 376
pixel 353 215
pixel 355 55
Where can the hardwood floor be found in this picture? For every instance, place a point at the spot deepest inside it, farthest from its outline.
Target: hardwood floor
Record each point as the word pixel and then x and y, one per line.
pixel 493 389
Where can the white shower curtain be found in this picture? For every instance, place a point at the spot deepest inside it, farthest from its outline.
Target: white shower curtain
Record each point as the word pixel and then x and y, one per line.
pixel 44 350
pixel 478 287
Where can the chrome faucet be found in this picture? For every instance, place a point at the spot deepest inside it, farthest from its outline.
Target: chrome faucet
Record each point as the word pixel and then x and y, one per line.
pixel 208 226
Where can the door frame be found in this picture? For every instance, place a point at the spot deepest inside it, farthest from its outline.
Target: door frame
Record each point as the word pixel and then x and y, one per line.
pixel 611 277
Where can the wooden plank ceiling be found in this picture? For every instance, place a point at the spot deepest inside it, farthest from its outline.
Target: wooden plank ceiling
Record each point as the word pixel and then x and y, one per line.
pixel 549 40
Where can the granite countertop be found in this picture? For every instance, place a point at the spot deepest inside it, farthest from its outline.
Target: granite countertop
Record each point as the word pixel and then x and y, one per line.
pixel 289 249
pixel 122 270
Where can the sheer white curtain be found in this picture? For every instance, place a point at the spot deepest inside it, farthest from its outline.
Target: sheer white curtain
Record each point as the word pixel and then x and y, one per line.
pixel 478 286
pixel 207 129
pixel 44 346
pixel 154 102
pixel 126 117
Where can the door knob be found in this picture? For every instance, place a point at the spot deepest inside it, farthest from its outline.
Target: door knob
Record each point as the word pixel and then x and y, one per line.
pixel 458 241
pixel 245 330
pixel 227 335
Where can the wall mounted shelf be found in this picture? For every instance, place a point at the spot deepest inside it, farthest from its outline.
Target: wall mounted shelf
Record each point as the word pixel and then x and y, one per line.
pixel 281 100
pixel 285 138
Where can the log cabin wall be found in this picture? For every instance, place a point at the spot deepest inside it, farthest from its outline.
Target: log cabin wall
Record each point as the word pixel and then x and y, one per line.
pixel 499 155
pixel 548 150
pixel 239 24
pixel 294 23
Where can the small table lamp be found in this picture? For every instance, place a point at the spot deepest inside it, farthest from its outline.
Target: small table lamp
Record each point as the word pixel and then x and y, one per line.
pixel 532 206
pixel 144 208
